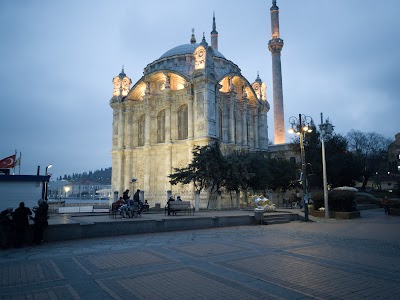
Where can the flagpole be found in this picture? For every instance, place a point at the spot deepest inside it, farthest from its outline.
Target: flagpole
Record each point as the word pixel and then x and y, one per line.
pixel 19 165
pixel 15 157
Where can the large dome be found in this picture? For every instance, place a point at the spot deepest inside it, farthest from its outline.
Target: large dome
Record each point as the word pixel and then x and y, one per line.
pixel 186 49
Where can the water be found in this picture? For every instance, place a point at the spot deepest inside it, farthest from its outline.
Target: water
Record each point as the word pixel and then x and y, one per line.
pixel 82 201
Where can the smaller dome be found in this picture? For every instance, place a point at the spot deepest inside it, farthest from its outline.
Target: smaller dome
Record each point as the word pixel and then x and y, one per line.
pixel 186 49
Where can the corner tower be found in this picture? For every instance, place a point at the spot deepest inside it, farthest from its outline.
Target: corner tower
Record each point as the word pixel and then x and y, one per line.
pixel 275 45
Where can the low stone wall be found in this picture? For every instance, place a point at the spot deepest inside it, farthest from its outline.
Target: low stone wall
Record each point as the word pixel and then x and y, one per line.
pixel 336 214
pixel 346 214
pixel 62 232
pixel 395 211
pixel 321 214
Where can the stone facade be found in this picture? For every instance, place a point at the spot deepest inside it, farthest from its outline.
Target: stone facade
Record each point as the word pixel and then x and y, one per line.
pixel 190 96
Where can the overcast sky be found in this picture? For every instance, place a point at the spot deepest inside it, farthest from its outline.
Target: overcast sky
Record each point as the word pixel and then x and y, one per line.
pixel 58 58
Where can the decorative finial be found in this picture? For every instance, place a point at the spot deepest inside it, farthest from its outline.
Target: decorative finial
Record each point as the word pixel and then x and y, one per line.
pixel 214 26
pixel 203 41
pixel 122 74
pixel 193 38
pixel 258 79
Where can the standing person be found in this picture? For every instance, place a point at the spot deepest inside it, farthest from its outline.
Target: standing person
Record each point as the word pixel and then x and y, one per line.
pixel 21 223
pixel 40 220
pixel 136 196
pixel 6 221
pixel 125 196
pixel 136 200
pixel 386 203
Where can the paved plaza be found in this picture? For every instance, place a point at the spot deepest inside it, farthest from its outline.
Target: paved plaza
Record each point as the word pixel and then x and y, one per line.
pixel 333 259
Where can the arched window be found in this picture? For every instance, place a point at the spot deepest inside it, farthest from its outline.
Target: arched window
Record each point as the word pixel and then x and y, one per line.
pixel 141 130
pixel 161 127
pixel 183 122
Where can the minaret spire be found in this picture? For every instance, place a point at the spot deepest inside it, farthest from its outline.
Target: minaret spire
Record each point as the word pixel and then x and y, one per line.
pixel 275 45
pixel 214 34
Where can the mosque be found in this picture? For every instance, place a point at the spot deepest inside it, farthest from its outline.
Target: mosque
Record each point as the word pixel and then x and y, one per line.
pixel 190 96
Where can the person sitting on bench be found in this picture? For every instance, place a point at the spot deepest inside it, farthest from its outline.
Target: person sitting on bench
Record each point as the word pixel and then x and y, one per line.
pixel 171 199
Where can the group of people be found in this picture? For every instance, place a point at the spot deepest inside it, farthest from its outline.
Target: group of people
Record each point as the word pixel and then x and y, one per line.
pixel 128 206
pixel 15 224
pixel 171 199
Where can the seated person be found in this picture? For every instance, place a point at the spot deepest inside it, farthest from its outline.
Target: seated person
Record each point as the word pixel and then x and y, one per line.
pixel 178 198
pixel 119 203
pixel 171 199
pixel 146 206
pixel 131 207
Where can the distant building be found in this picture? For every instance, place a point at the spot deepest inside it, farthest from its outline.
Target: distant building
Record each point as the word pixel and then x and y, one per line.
pixel 22 188
pixel 394 154
pixel 82 189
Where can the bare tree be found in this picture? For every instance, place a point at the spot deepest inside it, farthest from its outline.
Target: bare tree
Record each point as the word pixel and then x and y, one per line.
pixel 371 150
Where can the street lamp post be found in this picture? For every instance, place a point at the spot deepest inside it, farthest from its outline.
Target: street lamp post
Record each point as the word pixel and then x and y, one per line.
pixel 133 185
pixel 300 126
pixel 326 128
pixel 47 183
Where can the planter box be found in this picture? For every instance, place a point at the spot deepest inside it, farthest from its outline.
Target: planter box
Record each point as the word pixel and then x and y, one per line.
pixel 320 214
pixel 346 214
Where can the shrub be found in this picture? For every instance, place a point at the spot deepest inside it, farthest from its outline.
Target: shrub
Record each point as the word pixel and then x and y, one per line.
pixel 342 201
pixel 338 201
pixel 318 200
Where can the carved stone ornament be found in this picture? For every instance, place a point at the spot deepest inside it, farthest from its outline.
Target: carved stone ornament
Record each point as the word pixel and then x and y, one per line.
pixel 200 56
pixel 117 86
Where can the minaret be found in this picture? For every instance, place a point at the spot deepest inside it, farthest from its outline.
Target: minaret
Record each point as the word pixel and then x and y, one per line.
pixel 214 35
pixel 275 45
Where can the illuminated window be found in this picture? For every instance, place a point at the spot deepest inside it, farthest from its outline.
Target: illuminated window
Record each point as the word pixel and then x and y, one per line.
pixel 161 127
pixel 141 130
pixel 183 122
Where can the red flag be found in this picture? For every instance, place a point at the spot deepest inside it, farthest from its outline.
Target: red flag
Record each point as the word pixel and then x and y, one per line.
pixel 8 162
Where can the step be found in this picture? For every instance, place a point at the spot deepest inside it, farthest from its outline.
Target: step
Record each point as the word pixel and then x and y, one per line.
pixel 275 219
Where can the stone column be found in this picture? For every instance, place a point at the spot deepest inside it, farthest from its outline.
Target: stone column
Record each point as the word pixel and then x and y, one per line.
pixel 231 107
pixel 197 201
pixel 190 118
pixel 121 127
pixel 147 127
pixel 256 129
pixel 244 123
pixel 120 161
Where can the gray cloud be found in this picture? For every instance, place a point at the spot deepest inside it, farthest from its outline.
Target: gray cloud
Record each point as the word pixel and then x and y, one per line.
pixel 58 59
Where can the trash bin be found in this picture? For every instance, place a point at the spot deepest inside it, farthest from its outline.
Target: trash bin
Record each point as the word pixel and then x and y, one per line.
pixel 158 206
pixel 258 217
